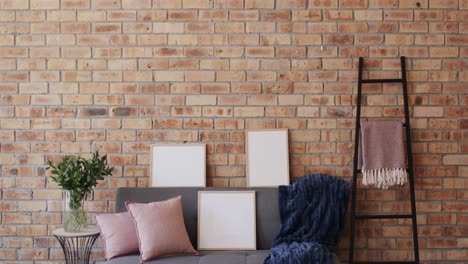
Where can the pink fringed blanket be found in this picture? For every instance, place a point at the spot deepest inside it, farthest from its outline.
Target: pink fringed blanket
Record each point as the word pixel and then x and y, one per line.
pixel 382 154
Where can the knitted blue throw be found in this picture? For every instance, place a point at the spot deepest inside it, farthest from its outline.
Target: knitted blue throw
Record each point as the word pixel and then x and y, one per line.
pixel 312 212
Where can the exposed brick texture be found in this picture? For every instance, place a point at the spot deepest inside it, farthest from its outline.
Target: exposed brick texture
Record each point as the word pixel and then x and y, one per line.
pixel 118 75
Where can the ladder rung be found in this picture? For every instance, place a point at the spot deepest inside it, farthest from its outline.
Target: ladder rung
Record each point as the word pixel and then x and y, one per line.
pixel 388 216
pixel 382 81
pixel 385 262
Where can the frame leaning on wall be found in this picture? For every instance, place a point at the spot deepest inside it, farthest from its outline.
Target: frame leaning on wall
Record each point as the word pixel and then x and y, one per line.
pixel 226 220
pixel 267 157
pixel 178 165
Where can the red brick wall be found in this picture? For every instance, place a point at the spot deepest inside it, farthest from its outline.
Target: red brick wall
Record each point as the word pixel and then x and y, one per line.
pixel 117 75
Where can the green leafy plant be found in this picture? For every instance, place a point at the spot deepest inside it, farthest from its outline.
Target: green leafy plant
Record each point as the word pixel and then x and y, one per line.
pixel 78 176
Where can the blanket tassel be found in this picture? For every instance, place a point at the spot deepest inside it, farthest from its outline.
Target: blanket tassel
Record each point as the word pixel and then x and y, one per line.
pixel 384 178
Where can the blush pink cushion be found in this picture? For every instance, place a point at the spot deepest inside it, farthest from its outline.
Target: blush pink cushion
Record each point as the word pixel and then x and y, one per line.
pixel 119 234
pixel 161 229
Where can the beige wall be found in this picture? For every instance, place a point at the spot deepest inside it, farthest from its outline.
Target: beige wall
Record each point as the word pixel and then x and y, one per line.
pixel 118 75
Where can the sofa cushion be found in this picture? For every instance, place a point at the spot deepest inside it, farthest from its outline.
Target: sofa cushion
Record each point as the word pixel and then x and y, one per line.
pixel 161 229
pixel 119 234
pixel 134 259
pixel 233 257
pixel 205 257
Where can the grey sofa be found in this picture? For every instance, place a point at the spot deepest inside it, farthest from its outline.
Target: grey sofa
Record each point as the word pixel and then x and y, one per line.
pixel 268 223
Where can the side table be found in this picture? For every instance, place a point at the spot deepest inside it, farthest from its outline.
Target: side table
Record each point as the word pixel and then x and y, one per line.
pixel 76 246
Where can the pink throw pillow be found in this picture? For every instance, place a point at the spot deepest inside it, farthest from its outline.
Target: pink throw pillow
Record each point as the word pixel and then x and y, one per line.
pixel 161 229
pixel 119 234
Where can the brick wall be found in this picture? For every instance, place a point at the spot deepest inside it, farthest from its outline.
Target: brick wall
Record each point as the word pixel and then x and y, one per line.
pixel 118 75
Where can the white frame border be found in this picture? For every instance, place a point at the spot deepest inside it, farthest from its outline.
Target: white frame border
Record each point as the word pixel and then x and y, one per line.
pixel 283 180
pixel 153 177
pixel 229 217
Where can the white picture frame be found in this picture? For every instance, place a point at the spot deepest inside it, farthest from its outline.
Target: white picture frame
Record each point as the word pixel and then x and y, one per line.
pixel 178 165
pixel 226 220
pixel 267 157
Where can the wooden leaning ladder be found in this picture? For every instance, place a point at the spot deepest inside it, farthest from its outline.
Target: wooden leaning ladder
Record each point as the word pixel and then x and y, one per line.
pixel 411 216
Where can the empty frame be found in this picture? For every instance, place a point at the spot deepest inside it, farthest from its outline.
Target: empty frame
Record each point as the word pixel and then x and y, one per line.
pixel 178 165
pixel 267 158
pixel 226 220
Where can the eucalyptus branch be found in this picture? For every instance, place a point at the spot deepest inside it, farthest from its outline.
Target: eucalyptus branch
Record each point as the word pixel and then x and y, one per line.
pixel 79 174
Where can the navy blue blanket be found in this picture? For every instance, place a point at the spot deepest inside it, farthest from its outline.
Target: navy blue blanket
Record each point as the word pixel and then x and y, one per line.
pixel 312 212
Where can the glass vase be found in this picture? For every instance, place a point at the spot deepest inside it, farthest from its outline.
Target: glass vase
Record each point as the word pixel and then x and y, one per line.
pixel 74 217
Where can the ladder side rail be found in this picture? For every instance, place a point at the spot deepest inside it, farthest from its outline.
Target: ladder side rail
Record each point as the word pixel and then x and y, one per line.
pixel 410 160
pixel 355 162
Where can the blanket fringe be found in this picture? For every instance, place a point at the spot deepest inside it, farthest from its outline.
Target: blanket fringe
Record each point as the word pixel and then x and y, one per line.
pixel 384 178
